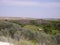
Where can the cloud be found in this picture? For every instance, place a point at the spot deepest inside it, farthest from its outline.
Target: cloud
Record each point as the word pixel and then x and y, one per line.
pixel 29 3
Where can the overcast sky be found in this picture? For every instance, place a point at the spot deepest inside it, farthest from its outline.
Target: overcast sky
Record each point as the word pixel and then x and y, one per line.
pixel 30 8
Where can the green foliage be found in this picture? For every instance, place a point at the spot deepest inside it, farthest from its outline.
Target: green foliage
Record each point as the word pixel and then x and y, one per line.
pixel 33 22
pixel 31 27
pixel 48 27
pixel 8 28
pixel 30 32
pixel 54 32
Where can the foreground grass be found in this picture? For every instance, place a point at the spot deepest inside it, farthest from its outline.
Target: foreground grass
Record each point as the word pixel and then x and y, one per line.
pixel 24 42
pixel 15 42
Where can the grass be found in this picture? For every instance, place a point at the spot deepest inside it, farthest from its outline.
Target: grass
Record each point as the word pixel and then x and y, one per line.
pixel 15 42
pixel 24 42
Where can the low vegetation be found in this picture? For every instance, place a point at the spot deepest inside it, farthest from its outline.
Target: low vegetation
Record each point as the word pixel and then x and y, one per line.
pixel 33 33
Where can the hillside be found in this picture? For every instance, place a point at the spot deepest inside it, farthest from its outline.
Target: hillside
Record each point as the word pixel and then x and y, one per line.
pixel 26 31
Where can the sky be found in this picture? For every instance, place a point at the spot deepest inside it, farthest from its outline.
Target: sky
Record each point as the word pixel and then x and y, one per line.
pixel 30 8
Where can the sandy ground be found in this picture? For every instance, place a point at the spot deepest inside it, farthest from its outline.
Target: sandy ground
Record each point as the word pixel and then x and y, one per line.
pixel 5 43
